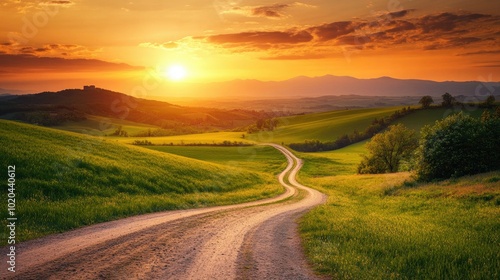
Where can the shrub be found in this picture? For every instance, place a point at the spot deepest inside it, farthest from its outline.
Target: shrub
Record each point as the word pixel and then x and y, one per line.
pixel 458 145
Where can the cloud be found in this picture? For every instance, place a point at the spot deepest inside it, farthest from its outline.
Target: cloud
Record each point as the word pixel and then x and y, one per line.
pixel 61 3
pixel 28 6
pixel 55 50
pixel 166 45
pixel 448 21
pixel 442 31
pixel 334 30
pixel 260 39
pixel 400 14
pixel 275 11
pixel 480 53
pixel 15 63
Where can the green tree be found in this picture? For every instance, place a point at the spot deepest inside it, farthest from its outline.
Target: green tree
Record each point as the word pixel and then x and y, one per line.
pixel 448 100
pixel 388 149
pixel 458 145
pixel 426 101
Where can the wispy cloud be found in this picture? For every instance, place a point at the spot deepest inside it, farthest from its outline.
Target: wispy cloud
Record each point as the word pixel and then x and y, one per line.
pixel 275 11
pixel 53 50
pixel 166 45
pixel 21 63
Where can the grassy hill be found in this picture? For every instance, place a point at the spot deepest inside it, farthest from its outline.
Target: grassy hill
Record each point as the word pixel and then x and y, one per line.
pixel 326 126
pixel 66 180
pixel 101 126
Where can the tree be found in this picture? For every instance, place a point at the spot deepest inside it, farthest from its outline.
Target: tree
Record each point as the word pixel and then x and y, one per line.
pixel 458 145
pixel 388 149
pixel 489 101
pixel 426 101
pixel 448 100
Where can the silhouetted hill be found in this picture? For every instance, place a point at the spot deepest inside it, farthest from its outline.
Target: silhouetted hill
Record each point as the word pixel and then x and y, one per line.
pixel 101 102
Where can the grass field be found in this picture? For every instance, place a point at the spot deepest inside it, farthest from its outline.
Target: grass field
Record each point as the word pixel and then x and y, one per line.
pixel 387 227
pixel 256 158
pixel 66 180
pixel 101 126
pixel 420 118
pixel 200 138
pixel 322 126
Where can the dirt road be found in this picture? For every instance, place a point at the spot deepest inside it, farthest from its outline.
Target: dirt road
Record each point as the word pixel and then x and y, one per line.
pixel 256 240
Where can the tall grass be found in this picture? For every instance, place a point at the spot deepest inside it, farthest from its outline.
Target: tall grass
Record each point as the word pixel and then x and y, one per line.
pixel 66 180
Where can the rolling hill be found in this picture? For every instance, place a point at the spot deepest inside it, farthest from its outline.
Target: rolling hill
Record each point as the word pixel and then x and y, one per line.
pixel 325 126
pixel 74 104
pixel 66 180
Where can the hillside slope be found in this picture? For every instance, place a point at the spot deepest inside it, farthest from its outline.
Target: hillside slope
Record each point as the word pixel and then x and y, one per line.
pixel 106 103
pixel 326 126
pixel 66 180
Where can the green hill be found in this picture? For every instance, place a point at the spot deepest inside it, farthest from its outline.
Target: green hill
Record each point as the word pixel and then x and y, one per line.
pixel 326 126
pixel 66 180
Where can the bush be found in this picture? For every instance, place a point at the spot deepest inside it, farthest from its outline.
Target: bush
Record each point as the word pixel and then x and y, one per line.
pixel 458 145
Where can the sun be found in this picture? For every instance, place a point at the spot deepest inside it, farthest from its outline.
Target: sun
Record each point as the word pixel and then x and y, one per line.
pixel 176 72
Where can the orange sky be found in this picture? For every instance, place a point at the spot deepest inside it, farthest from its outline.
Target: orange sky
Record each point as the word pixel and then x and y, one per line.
pixel 51 45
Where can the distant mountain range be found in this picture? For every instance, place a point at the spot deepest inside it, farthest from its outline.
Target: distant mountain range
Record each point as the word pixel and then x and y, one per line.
pixel 307 87
pixel 338 85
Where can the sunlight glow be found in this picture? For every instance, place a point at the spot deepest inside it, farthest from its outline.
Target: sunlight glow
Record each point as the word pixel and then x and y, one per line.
pixel 176 72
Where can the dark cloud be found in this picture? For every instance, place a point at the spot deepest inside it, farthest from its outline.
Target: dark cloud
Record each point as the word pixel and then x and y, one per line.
pixel 334 30
pixel 443 31
pixel 447 21
pixel 400 14
pixel 354 40
pixel 47 50
pixel 62 2
pixel 480 53
pixel 23 62
pixel 271 37
pixel 273 11
pixel 401 26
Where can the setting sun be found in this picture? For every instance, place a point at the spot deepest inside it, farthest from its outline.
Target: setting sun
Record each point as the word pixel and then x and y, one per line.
pixel 176 72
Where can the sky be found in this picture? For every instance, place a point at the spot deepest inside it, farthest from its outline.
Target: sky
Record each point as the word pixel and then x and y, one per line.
pixel 119 45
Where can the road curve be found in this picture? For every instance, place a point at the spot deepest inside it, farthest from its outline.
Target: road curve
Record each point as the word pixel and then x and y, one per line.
pixel 255 240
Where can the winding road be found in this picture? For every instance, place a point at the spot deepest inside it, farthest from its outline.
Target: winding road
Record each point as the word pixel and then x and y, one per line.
pixel 255 240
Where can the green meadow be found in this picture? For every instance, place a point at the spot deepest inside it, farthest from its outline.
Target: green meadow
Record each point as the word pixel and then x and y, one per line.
pixel 390 227
pixel 101 126
pixel 188 139
pixel 256 158
pixel 66 180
